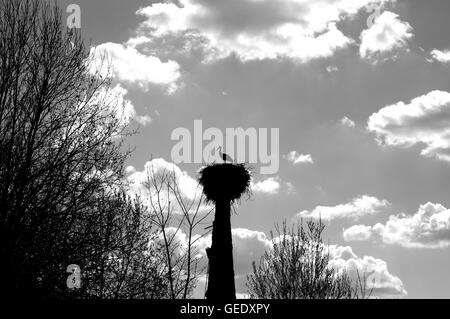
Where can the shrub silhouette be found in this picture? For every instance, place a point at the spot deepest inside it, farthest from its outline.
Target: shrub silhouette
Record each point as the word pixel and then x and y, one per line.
pixel 297 267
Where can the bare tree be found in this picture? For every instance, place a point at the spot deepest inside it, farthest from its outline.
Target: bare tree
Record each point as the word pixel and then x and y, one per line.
pixel 297 267
pixel 177 215
pixel 60 148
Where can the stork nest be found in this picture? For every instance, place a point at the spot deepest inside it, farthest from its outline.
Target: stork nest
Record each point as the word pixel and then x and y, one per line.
pixel 225 181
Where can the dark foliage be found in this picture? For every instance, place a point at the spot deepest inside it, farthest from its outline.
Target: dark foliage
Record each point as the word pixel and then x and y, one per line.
pixel 61 164
pixel 119 262
pixel 297 267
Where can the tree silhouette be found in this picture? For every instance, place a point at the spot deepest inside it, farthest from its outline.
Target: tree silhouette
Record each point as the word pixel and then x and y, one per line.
pixel 60 150
pixel 297 267
pixel 176 215
pixel 119 263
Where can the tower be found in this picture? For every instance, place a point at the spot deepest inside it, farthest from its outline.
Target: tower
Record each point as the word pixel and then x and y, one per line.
pixel 222 185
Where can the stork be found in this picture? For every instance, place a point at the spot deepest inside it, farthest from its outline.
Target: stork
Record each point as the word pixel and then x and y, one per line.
pixel 225 157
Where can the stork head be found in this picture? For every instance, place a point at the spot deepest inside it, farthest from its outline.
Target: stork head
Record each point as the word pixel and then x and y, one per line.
pixel 219 148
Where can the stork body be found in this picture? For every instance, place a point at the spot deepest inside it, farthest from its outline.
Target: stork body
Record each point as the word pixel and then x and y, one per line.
pixel 225 157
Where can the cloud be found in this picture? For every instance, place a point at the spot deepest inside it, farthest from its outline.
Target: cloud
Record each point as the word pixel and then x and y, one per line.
pixel 188 186
pixel 296 158
pixel 248 246
pixel 332 68
pixel 441 56
pixel 358 207
pixel 178 239
pixel 290 188
pixel 131 66
pixel 116 100
pixel 345 121
pixel 358 233
pixel 378 277
pixel 388 33
pixel 425 121
pixel 270 186
pixel 252 30
pixel 428 228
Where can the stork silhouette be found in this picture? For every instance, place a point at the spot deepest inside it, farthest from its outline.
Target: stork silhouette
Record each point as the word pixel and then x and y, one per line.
pixel 225 157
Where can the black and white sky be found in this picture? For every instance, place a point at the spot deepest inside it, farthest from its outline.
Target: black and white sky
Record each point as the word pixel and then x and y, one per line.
pixel 360 92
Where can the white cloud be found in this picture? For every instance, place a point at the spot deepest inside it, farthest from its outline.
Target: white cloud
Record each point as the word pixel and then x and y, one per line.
pixel 116 100
pixel 131 66
pixel 188 186
pixel 441 56
pixel 425 121
pixel 358 207
pixel 358 233
pixel 290 188
pixel 296 158
pixel 270 186
pixel 332 68
pixel 345 121
pixel 378 277
pixel 388 33
pixel 428 228
pixel 253 30
pixel 248 246
pixel 176 236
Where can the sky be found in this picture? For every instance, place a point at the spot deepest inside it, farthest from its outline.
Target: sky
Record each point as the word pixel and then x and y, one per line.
pixel 359 91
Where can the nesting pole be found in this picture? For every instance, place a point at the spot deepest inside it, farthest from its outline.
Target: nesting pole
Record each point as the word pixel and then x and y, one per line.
pixel 222 185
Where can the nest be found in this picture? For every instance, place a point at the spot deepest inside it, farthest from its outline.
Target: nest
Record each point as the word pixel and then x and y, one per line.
pixel 225 181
